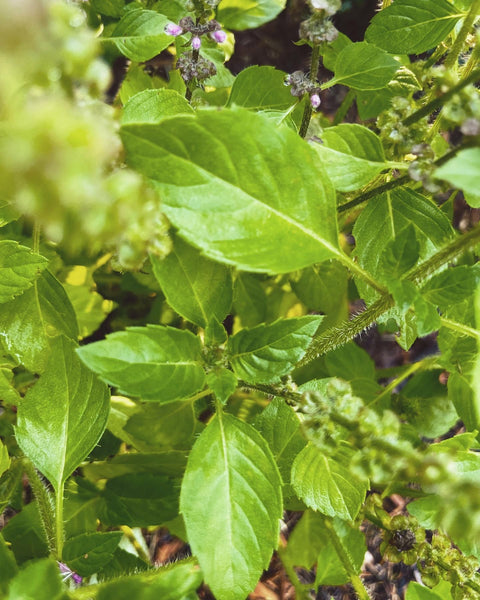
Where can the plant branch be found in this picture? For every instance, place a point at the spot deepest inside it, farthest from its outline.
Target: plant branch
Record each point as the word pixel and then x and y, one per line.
pixel 59 520
pixel 439 101
pixel 189 89
pixel 452 58
pixel 45 504
pixel 307 111
pixel 460 328
pixel 344 106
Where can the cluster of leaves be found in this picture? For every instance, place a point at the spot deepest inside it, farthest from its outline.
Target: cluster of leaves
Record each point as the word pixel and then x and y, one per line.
pixel 227 341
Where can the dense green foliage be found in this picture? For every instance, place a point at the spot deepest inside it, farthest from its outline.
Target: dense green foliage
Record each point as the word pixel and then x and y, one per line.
pixel 193 248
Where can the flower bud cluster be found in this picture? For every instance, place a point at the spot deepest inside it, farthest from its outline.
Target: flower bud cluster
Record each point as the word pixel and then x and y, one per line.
pixel 301 85
pixel 423 168
pixel 398 138
pixel 187 25
pixel 317 30
pixel 192 67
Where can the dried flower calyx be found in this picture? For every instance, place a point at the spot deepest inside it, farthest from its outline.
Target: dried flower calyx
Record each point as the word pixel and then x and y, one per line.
pixel 301 85
pixel 191 67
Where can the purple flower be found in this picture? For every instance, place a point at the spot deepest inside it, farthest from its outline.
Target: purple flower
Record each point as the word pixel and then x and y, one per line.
pixel 315 100
pixel 173 29
pixel 196 42
pixel 67 573
pixel 218 36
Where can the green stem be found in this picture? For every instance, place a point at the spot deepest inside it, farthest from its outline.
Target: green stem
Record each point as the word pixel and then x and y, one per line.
pixel 452 58
pixel 361 273
pixel 439 101
pixel 421 365
pixel 307 111
pixel 344 106
pixel 453 250
pixel 59 520
pixel 44 502
pixel 460 328
pixel 346 561
pixel 472 61
pixel 189 90
pixel 344 333
pixel 36 238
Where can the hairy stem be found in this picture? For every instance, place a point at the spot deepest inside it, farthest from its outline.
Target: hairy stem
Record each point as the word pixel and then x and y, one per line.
pixel 45 504
pixel 307 112
pixel 452 58
pixel 60 533
pixel 439 101
pixel 36 238
pixel 189 90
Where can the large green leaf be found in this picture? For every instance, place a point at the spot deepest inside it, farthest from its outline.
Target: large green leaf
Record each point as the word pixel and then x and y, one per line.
pixel 451 286
pixel 326 485
pixel 197 288
pixel 63 416
pixel 261 88
pixel 153 362
pixel 363 66
pixel 86 554
pixel 266 352
pixel 29 323
pixel 39 580
pixel 417 591
pixel 463 171
pixel 280 426
pixel 248 14
pixel 140 34
pixel 235 167
pixel 387 215
pixel 151 106
pixel 351 154
pixel 140 500
pixel 9 566
pixel 4 458
pixel 19 267
pixel 231 503
pixel 249 299
pixel 412 26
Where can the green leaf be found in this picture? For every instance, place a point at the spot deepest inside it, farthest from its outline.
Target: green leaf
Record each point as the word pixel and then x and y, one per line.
pixel 153 362
pixel 330 569
pixel 90 308
pixel 231 503
pixel 451 286
pixel 109 8
pixel 10 483
pixel 30 322
pixel 223 383
pixel 362 66
pixel 177 581
pixel 425 405
pixel 63 415
pixel 416 591
pixel 261 88
pixel 88 553
pixel 412 26
pixel 248 14
pixel 7 212
pixel 9 566
pixel 351 154
pixel 197 288
pixel 26 534
pixel 140 34
pixel 267 180
pixel 19 267
pixel 384 218
pixel 371 103
pixel 151 106
pixel 280 426
pixel 157 427
pixel 4 458
pixel 331 51
pixel 140 500
pixel 39 580
pixel 326 485
pixel 266 352
pixel 171 464
pixel 350 362
pixel 400 255
pixel 305 541
pixel 463 172
pixel 249 299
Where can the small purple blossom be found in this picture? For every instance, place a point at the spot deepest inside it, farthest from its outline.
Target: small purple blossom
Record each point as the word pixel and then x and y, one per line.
pixel 315 100
pixel 196 42
pixel 68 573
pixel 218 36
pixel 173 29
